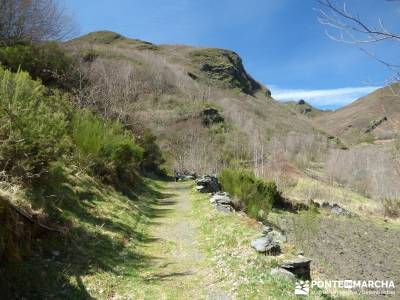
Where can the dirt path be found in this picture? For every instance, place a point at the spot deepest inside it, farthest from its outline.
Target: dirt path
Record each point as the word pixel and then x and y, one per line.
pixel 179 269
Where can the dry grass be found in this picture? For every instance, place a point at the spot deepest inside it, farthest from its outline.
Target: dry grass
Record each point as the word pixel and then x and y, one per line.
pixel 151 86
pixel 350 122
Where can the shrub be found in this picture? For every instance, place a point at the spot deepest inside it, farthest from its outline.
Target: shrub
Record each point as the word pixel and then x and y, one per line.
pixel 152 156
pixel 255 195
pixel 391 207
pixel 47 62
pixel 33 126
pixel 105 146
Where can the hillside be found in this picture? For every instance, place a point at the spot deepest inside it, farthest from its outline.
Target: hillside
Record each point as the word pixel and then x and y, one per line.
pixel 96 129
pixel 373 117
pixel 184 81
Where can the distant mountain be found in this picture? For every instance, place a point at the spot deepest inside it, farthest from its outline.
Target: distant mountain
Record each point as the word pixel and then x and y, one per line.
pixel 373 117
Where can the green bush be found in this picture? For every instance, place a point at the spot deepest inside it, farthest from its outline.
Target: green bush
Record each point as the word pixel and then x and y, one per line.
pixel 152 155
pixel 39 126
pixel 33 126
pixel 47 62
pixel 256 196
pixel 107 148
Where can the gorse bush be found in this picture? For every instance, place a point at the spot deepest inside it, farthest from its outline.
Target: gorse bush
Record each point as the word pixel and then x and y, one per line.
pixel 33 126
pixel 256 196
pixel 105 146
pixel 47 62
pixel 152 155
pixel 39 127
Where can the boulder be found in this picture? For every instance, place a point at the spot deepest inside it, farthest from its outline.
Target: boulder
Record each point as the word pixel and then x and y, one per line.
pixel 300 266
pixel 270 242
pixel 261 244
pixel 209 183
pixel 280 272
pixel 266 229
pixel 277 236
pixel 220 199
pixel 273 249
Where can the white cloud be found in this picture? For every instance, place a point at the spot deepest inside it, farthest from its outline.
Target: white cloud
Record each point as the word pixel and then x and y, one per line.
pixel 324 98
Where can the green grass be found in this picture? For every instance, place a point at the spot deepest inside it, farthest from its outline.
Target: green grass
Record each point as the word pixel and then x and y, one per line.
pixel 98 256
pixel 246 274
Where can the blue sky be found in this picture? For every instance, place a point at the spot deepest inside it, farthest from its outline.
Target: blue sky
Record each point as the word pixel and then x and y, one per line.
pixel 281 42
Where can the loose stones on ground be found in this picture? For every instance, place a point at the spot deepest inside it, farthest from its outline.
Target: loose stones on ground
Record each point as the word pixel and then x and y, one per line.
pixel 337 210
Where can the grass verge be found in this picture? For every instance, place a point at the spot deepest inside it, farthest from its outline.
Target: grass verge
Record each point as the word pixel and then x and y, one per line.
pixel 98 257
pixel 226 240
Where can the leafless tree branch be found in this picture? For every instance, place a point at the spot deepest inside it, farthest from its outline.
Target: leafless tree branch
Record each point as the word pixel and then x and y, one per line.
pixel 34 21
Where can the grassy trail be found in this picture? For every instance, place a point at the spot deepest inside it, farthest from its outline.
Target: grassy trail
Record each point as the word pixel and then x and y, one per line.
pixel 167 243
pixel 179 268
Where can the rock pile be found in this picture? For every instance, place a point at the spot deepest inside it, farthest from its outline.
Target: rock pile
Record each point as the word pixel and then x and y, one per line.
pixel 185 175
pixel 270 241
pixel 222 202
pixel 207 184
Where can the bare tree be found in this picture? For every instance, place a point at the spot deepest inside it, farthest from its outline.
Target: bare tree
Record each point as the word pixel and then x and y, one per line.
pixel 33 21
pixel 348 27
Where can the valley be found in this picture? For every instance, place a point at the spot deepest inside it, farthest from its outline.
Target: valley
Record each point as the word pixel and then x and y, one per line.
pixel 139 170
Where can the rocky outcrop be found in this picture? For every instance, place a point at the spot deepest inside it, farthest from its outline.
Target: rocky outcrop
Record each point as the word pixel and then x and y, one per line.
pixel 225 68
pixel 374 124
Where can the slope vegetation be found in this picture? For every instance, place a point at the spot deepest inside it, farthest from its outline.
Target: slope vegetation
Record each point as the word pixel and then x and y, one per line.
pixel 172 85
